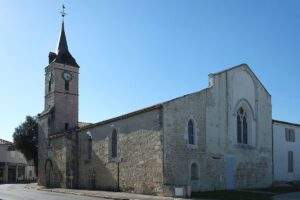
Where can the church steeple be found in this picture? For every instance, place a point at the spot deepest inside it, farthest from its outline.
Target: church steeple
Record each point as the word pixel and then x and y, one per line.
pixel 62 43
pixel 62 54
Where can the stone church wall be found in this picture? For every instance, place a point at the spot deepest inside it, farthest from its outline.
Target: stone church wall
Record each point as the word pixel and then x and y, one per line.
pixel 178 154
pixel 138 167
pixel 231 89
pixel 42 150
pixel 58 155
pixel 223 164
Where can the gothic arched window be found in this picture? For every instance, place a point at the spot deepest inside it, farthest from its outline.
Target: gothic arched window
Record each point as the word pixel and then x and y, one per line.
pixel 242 126
pixel 114 144
pixel 89 146
pixel 49 85
pixel 191 132
pixel 194 172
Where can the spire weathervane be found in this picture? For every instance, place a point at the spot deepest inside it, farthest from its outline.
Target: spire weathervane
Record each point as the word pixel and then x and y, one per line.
pixel 63 13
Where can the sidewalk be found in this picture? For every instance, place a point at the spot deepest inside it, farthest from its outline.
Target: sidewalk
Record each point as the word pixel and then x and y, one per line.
pixel 103 194
pixel 106 194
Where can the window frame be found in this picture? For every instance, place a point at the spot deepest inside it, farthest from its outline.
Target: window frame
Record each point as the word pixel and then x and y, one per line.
pixel 290 135
pixel 89 147
pixel 196 170
pixel 191 132
pixel 114 144
pixel 49 85
pixel 67 85
pixel 291 162
pixel 242 120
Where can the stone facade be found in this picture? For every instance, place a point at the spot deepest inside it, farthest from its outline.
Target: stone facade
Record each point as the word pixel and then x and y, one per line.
pixel 138 166
pixel 196 142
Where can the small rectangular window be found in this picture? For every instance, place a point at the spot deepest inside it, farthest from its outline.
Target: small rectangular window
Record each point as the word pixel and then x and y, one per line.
pixel 67 85
pixel 289 135
pixel 66 126
pixel 290 162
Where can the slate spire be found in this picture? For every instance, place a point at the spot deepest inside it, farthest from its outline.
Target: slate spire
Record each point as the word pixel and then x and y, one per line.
pixel 62 46
pixel 62 54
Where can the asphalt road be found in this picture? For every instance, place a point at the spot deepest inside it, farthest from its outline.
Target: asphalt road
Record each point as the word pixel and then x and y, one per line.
pixel 21 192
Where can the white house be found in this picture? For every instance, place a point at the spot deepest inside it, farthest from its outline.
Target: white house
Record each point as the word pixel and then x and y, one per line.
pixel 13 165
pixel 286 148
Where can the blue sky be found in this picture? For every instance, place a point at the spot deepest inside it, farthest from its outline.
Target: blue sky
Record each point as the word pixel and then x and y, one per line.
pixel 137 53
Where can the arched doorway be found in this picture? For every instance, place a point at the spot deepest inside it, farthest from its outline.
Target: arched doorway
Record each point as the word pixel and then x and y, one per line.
pixel 49 173
pixel 194 177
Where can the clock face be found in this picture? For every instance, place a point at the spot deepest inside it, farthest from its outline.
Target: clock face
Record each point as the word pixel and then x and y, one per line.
pixel 67 76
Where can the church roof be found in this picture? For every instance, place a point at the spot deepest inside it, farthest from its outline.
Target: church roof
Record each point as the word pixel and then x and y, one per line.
pixel 63 54
pixel 91 125
pixel 284 122
pixel 83 124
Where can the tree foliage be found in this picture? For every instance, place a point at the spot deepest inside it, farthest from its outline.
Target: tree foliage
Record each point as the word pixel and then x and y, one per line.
pixel 26 139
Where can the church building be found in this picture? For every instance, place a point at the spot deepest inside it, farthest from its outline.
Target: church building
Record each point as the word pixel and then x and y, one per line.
pixel 218 138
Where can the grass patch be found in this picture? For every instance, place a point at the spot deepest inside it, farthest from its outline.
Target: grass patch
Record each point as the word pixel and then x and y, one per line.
pixel 232 195
pixel 281 190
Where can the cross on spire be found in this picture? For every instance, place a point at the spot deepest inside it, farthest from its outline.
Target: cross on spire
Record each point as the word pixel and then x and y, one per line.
pixel 63 13
pixel 63 54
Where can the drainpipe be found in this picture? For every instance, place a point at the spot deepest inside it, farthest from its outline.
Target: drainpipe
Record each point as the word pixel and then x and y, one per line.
pixel 118 163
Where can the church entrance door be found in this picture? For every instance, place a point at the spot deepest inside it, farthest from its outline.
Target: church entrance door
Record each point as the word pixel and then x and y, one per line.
pixel 48 173
pixel 230 169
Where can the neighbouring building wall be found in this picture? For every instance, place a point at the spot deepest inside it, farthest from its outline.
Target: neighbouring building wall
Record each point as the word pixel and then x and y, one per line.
pixel 245 165
pixel 137 166
pixel 13 165
pixel 283 144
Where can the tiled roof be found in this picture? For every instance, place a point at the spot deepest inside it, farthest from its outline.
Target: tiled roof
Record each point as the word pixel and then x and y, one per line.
pixel 83 124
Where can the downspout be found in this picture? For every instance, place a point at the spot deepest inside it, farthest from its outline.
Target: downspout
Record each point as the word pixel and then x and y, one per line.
pixel 227 120
pixel 163 144
pixel 272 151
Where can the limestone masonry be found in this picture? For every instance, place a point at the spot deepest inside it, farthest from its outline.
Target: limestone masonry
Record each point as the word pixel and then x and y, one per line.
pixel 216 139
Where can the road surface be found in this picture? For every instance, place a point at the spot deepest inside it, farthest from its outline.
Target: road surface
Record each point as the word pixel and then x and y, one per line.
pixel 21 192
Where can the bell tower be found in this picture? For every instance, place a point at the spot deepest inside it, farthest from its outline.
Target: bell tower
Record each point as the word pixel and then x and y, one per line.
pixel 58 121
pixel 61 87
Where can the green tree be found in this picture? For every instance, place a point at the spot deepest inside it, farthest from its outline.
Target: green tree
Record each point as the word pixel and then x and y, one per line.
pixel 26 139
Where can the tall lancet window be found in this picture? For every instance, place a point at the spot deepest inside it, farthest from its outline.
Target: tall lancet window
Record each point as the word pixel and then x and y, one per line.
pixel 67 85
pixel 191 132
pixel 49 81
pixel 114 144
pixel 89 146
pixel 49 85
pixel 242 127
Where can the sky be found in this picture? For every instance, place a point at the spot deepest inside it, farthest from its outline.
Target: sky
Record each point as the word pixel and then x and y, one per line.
pixel 137 53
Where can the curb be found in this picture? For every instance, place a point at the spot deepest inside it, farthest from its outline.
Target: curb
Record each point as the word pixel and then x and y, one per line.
pixel 83 194
pixel 96 196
